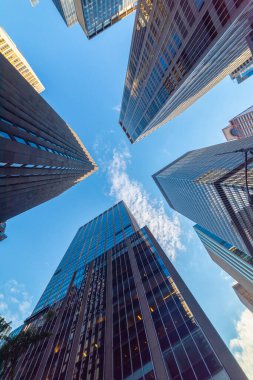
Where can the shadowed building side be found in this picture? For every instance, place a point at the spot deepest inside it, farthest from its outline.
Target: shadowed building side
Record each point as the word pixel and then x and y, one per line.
pixel 119 310
pixel 40 156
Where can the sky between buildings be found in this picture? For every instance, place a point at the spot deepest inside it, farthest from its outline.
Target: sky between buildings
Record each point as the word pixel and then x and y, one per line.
pixel 84 83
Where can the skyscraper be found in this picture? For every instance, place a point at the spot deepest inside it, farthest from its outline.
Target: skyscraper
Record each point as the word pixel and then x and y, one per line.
pixel 2 231
pixel 209 186
pixel 10 51
pixel 180 50
pixel 244 71
pixel 240 126
pixel 236 263
pixel 119 310
pixel 245 297
pixel 94 16
pixel 40 155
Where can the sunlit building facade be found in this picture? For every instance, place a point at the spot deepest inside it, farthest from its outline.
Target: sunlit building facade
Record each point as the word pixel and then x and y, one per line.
pixel 208 186
pixel 67 10
pixel 240 126
pixel 94 16
pixel 236 263
pixel 243 72
pixel 119 310
pixel 179 51
pixel 40 155
pixel 9 50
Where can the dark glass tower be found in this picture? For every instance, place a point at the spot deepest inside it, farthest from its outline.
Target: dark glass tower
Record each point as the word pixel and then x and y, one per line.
pixel 180 49
pixel 40 155
pixel 119 310
pixel 209 187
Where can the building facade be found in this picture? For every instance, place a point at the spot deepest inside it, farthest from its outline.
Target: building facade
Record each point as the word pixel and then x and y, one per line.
pixel 119 310
pixel 244 296
pixel 9 50
pixel 67 10
pixel 2 231
pixel 40 155
pixel 240 126
pixel 236 263
pixel 94 16
pixel 208 186
pixel 180 50
pixel 243 72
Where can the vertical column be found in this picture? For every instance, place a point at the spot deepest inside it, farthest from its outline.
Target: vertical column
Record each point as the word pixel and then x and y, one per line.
pixel 108 363
pixel 226 358
pixel 154 346
pixel 73 352
pixel 49 346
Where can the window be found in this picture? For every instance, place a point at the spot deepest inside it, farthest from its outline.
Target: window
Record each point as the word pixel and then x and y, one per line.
pixel 199 4
pixel 20 140
pixel 5 135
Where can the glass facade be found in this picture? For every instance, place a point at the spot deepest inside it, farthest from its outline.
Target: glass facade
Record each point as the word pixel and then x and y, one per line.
pixel 208 186
pixel 94 16
pixel 115 311
pixel 236 263
pixel 180 50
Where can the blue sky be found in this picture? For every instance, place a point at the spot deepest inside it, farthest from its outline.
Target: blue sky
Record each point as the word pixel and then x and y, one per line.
pixel 84 84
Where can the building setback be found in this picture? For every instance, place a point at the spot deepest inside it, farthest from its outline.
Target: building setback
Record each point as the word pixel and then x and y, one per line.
pixel 208 186
pixel 119 310
pixel 94 16
pixel 180 50
pixel 236 263
pixel 10 51
pixel 240 126
pixel 40 155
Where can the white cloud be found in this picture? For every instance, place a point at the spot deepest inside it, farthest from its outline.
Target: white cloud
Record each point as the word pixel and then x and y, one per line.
pixel 117 108
pixel 242 345
pixel 147 211
pixel 15 302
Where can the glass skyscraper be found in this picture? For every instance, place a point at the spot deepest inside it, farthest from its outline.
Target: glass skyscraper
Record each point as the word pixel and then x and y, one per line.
pixel 96 15
pixel 236 263
pixel 117 309
pixel 180 50
pixel 240 126
pixel 208 186
pixel 40 155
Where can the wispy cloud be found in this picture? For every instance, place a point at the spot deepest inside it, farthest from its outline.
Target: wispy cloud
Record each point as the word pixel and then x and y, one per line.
pixel 242 345
pixel 15 302
pixel 147 211
pixel 116 108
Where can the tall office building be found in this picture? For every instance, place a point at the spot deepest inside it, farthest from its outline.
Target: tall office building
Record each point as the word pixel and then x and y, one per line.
pixel 180 50
pixel 236 263
pixel 244 71
pixel 40 155
pixel 2 231
pixel 244 296
pixel 94 16
pixel 119 310
pixel 240 126
pixel 208 186
pixel 10 51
